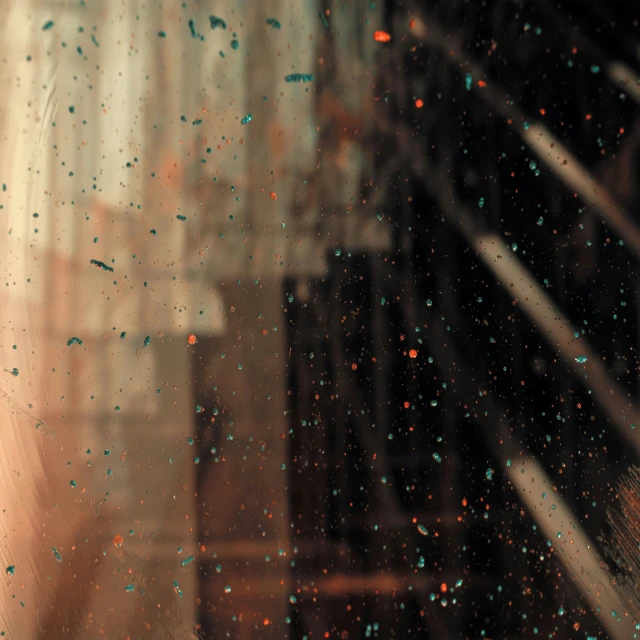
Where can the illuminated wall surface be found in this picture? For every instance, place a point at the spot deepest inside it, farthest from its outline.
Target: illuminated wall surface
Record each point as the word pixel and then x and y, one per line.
pixel 319 319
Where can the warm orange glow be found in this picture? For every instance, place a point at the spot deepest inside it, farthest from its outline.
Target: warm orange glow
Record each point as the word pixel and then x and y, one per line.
pixel 274 195
pixel 381 36
pixel 413 353
pixel 118 540
pixel 192 338
pixel 419 103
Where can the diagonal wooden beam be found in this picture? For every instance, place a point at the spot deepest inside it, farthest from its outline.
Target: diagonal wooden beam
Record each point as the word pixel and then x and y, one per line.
pixel 542 141
pixel 545 315
pixel 572 547
pixel 574 550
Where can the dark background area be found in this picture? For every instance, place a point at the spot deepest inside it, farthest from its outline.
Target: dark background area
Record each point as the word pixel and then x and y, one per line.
pixel 366 418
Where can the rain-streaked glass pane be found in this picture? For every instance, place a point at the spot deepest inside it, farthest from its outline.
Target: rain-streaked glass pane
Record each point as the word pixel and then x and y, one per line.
pixel 319 320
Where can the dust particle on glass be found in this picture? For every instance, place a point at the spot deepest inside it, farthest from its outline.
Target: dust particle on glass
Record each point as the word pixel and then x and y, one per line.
pixel 183 218
pixel 423 530
pixel 437 457
pixel 101 265
pixel 299 77
pixel 489 474
pixel 147 340
pixel 176 588
pixel 73 340
pixel 11 569
pixel 129 588
pixel 247 119
pixel 187 560
pixel 56 553
pixel 581 359
pixel 468 81
pixel 323 19
pixel 235 44
pixel 47 25
pixel 162 34
pixel 272 22
pixel 73 483
pixel 216 22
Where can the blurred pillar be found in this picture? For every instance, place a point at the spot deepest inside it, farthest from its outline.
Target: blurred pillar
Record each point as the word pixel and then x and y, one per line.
pixel 246 520
pixel 94 161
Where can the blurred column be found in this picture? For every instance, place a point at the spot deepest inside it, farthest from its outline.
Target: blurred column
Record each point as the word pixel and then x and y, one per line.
pixel 92 113
pixel 245 516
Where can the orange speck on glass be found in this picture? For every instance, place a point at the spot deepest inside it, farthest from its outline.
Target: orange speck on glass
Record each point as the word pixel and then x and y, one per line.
pixel 412 23
pixel 443 587
pixel 419 103
pixel 482 83
pixel 381 36
pixel 274 195
pixel 118 540
pixel 192 338
pixel 354 366
pixel 266 622
pixel 413 353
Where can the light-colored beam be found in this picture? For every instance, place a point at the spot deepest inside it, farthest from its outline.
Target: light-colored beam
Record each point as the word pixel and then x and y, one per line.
pixel 541 140
pixel 559 333
pixel 571 546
